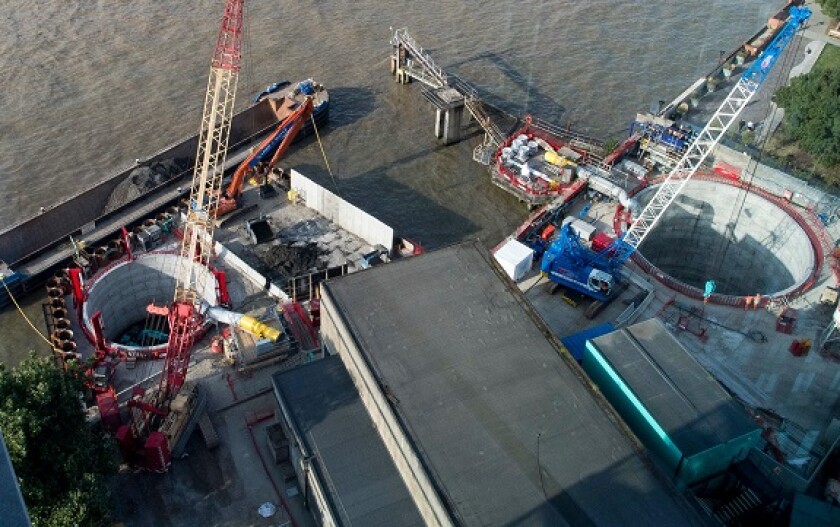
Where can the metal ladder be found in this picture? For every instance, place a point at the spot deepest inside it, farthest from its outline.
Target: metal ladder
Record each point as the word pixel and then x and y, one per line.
pixel 422 67
pixel 426 71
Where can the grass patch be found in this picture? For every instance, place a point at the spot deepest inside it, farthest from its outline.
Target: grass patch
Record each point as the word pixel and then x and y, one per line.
pixel 829 58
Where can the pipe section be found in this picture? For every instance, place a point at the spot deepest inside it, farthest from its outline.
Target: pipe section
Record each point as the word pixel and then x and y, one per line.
pixel 248 323
pixel 609 189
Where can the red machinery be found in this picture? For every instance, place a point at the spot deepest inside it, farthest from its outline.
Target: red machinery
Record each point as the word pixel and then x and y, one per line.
pixel 285 133
pixel 786 320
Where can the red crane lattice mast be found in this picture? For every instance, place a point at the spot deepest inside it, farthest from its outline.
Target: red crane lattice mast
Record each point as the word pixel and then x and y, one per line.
pixel 185 315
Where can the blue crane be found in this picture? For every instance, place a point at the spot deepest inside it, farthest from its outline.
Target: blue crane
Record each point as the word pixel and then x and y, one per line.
pixel 596 274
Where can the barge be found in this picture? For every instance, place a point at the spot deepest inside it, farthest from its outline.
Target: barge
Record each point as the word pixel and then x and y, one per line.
pixel 32 250
pixel 537 166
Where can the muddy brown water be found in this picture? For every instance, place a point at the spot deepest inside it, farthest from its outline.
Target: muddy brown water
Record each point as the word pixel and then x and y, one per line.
pixel 90 86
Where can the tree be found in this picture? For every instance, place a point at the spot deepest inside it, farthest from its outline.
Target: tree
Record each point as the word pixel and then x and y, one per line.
pixel 830 7
pixel 812 114
pixel 60 461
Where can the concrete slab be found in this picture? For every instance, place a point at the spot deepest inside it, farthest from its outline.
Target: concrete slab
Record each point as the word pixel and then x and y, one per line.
pixel 224 486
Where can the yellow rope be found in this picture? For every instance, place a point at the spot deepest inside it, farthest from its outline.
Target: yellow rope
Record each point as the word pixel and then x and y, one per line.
pixel 324 154
pixel 26 318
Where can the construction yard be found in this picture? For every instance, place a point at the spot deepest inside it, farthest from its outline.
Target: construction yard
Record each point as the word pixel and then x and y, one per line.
pixel 224 486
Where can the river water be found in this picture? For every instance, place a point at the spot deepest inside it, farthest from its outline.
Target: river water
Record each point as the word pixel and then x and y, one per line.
pixel 89 86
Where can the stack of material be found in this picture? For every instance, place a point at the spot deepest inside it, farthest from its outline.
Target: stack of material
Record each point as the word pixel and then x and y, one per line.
pixel 145 178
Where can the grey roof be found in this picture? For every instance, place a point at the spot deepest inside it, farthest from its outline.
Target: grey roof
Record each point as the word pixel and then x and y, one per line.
pixel 12 507
pixel 690 405
pixel 504 425
pixel 352 463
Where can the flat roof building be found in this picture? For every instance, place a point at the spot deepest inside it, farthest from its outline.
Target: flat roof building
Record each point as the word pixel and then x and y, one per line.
pixel 342 466
pixel 486 421
pixel 670 401
pixel 12 507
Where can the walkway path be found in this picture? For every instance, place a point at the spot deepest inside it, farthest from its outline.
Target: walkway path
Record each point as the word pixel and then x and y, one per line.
pixel 818 26
pixel 812 53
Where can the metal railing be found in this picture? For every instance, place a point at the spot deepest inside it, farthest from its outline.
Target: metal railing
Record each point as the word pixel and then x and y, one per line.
pixel 432 72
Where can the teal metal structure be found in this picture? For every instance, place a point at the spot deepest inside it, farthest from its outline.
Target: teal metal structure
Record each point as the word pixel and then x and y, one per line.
pixel 677 410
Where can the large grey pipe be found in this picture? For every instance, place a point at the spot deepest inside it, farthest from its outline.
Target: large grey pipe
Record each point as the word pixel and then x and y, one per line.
pixel 610 189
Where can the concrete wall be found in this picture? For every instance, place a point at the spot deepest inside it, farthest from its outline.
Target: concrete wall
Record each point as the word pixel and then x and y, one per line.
pixel 122 292
pixel 232 261
pixel 337 337
pixel 344 214
pixel 745 243
pixel 775 180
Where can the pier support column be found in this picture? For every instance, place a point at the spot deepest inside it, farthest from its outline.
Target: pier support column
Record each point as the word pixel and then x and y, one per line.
pixel 452 124
pixel 449 113
pixel 399 63
pixel 440 116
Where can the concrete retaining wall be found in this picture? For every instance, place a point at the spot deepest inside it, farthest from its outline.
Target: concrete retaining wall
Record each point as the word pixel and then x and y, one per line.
pixel 771 253
pixel 122 292
pixel 347 216
pixel 230 260
pixel 776 181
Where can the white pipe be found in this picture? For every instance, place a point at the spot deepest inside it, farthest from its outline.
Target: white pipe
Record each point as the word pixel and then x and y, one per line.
pixel 225 316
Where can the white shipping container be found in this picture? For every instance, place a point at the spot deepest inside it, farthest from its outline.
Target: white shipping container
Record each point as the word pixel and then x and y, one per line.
pixel 585 231
pixel 515 258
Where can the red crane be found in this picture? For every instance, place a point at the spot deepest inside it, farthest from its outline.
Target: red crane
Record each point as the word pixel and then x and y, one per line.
pixel 185 315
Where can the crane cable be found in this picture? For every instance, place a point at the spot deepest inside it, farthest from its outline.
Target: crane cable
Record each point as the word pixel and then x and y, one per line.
pixel 785 67
pixel 26 318
pixel 323 153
